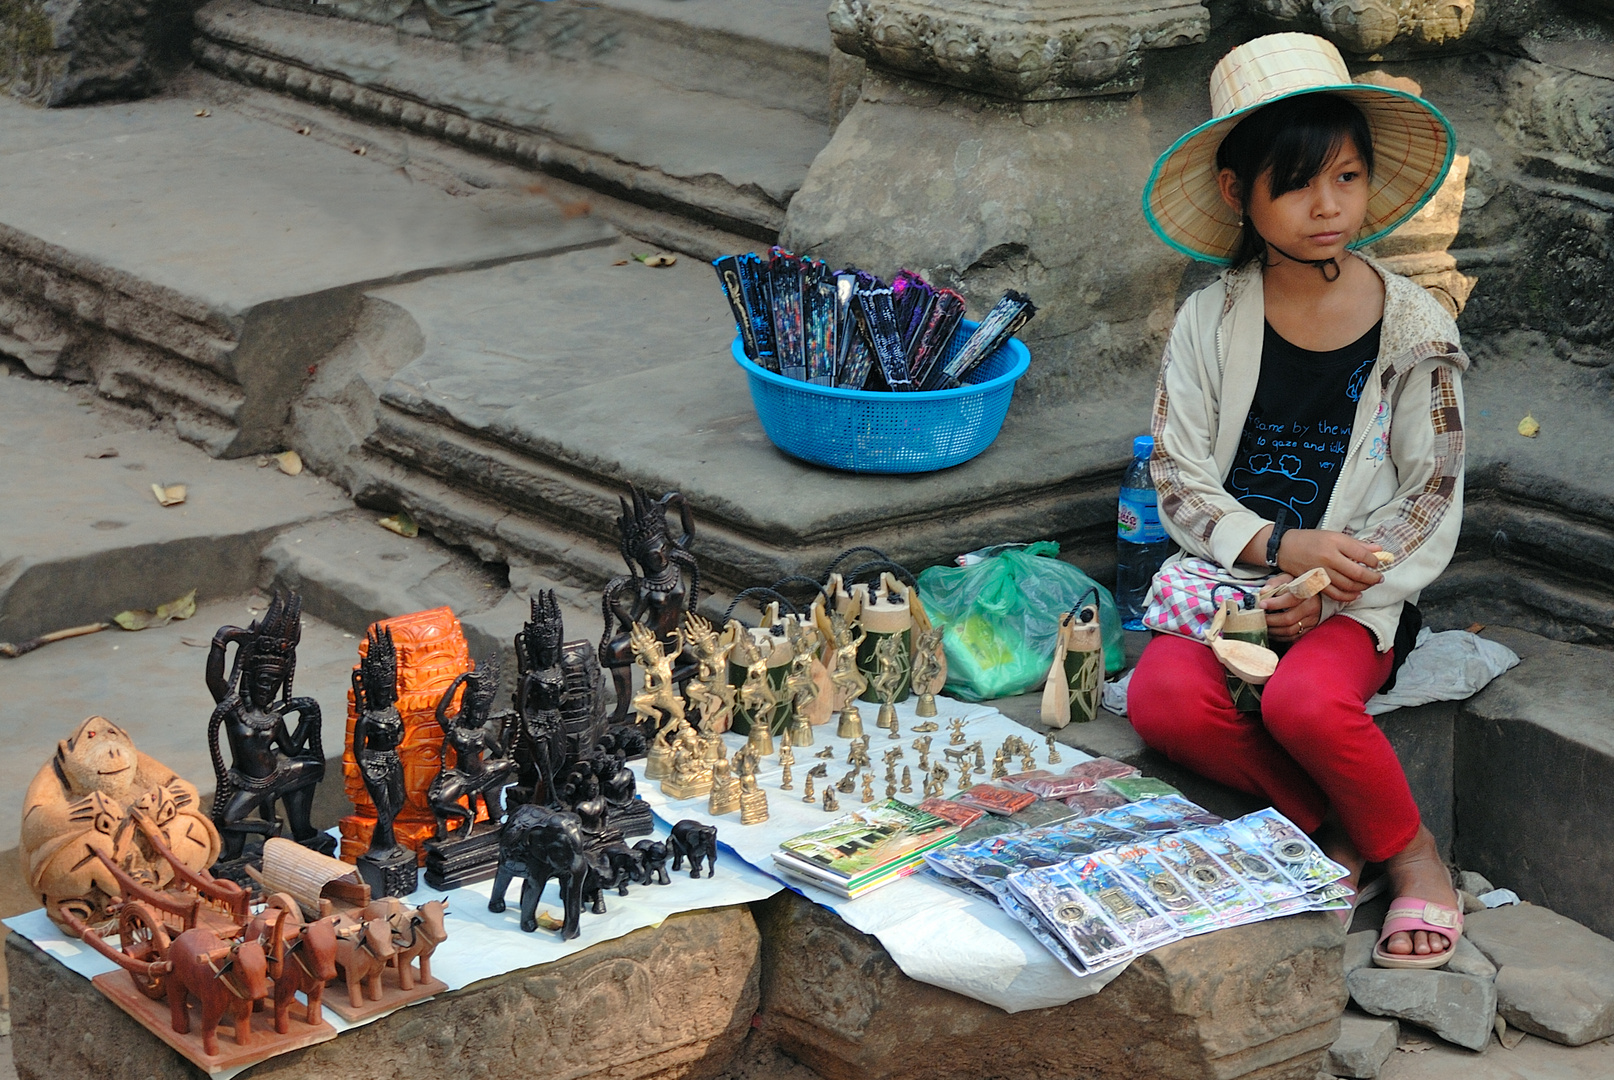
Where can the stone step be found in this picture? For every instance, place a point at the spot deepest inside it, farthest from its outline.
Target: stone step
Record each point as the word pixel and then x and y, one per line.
pixel 198 265
pixel 591 105
pixel 83 538
pixel 542 389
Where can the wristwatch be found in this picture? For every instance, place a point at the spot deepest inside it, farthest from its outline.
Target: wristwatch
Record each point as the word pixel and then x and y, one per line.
pixel 1279 527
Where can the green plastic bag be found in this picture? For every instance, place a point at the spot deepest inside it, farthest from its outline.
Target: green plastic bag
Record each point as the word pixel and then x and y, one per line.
pixel 1001 619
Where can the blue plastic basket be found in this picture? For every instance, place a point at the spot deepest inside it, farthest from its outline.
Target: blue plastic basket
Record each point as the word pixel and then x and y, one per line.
pixel 868 431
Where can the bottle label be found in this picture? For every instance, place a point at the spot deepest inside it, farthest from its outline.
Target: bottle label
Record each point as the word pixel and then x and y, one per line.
pixel 1137 519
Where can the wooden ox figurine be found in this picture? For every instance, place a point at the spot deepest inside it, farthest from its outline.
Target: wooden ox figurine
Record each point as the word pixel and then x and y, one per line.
pixel 363 953
pixel 222 976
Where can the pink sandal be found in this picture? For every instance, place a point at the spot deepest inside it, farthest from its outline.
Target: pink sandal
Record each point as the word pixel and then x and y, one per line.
pixel 1409 915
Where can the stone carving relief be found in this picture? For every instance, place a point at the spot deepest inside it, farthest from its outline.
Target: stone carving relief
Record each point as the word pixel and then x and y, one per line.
pixel 499 22
pixel 1029 50
pixel 1374 27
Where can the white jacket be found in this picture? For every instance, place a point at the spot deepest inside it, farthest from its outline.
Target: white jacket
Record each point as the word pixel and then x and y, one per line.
pixel 1401 485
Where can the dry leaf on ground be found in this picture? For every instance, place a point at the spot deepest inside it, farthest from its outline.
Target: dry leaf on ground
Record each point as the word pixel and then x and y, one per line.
pixel 657 260
pixel 1529 427
pixel 289 463
pixel 183 608
pixel 400 523
pixel 171 495
pixel 204 112
pixel 104 452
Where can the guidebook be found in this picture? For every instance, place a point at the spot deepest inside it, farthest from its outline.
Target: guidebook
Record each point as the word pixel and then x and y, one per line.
pixel 867 848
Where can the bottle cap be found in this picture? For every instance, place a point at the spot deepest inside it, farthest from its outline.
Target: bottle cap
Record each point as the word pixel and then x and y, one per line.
pixel 1143 446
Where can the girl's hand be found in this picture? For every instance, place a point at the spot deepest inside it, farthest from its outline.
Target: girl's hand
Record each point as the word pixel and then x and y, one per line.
pixel 1344 557
pixel 1288 618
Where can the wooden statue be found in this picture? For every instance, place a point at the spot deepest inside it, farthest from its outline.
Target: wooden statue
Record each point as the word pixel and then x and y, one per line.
pixel 301 955
pixel 480 768
pixel 271 765
pixel 81 803
pixel 389 868
pixel 362 954
pixel 662 585
pixel 430 653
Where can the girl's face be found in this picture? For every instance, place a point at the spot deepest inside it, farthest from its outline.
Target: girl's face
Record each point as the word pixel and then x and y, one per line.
pixel 1315 221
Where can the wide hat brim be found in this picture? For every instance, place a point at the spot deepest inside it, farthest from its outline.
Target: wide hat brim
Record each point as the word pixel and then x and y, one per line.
pixel 1413 147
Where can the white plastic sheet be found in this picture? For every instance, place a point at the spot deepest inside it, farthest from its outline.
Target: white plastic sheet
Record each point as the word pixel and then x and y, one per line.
pixel 481 944
pixel 935 934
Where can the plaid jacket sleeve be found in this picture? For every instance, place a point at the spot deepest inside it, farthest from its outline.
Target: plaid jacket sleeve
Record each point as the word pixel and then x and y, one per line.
pixel 1419 526
pixel 1196 511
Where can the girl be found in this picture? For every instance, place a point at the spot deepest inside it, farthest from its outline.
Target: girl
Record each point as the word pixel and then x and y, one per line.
pixel 1309 413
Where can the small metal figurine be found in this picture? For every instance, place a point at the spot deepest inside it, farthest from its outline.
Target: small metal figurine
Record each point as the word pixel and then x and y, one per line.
pixel 890 677
pixel 656 599
pixel 691 775
pixel 845 677
pixel 714 702
pixel 846 783
pixel 1054 757
pixel 828 753
pixel 957 737
pixel 820 770
pixel 387 867
pixel 269 764
pixel 907 781
pixel 923 746
pixel 787 752
pixel 807 794
pixel 868 787
pixel 786 783
pixel 892 756
pixel 927 666
pixel 753 800
pixel 999 770
pixel 858 753
pixel 927 726
pixel 831 803
pixel 758 700
pixel 801 683
pixel 724 797
pixel 980 756
pixel 1028 761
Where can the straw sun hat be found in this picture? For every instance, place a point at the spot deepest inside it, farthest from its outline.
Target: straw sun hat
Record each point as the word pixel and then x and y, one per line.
pixel 1413 144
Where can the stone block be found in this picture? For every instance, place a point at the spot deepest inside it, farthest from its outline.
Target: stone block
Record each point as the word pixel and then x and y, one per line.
pixel 1359 950
pixel 1254 1001
pixel 1468 960
pixel 1031 50
pixel 1556 978
pixel 1472 883
pixel 1402 27
pixel 68 52
pixel 1362 1047
pixel 1535 782
pixel 1459 1008
pixel 673 1001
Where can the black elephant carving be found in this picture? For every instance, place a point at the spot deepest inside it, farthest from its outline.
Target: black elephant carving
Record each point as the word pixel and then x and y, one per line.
pixel 654 853
pixel 540 844
pixel 694 840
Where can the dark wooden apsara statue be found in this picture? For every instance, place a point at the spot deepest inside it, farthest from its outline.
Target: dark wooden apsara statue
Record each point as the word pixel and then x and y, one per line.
pixel 480 767
pixel 662 585
pixel 270 764
pixel 388 867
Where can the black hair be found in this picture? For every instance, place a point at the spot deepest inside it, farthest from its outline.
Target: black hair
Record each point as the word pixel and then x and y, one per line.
pixel 1293 138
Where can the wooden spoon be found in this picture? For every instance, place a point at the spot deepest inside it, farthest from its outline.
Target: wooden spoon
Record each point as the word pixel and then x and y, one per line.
pixel 1247 660
pixel 1304 587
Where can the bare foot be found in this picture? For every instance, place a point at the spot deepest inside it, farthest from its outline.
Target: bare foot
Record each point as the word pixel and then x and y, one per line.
pixel 1419 872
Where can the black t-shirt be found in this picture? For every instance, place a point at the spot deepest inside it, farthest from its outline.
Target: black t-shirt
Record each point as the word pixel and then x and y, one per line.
pixel 1299 427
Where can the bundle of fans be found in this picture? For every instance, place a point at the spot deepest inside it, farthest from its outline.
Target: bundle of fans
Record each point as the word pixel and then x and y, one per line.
pixel 798 318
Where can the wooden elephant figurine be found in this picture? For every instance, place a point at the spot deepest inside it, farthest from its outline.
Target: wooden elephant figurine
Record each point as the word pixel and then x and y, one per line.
pixel 694 840
pixel 540 844
pixel 655 855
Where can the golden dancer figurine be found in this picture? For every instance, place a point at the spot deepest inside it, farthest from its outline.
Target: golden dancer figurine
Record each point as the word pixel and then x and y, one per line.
pixel 890 673
pixel 758 700
pixel 801 685
pixel 845 677
pixel 927 669
pixel 660 700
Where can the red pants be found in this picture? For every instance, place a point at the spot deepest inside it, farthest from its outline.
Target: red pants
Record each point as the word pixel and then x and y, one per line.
pixel 1312 748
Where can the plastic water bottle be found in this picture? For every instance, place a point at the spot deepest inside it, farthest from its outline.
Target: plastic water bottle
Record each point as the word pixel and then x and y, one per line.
pixel 1141 545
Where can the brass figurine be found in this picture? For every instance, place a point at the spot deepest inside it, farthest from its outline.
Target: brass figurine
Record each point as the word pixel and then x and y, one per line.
pixel 927 726
pixel 828 753
pixel 907 781
pixel 753 800
pixel 927 669
pixel 868 787
pixel 807 795
pixel 999 770
pixel 691 775
pixel 844 676
pixel 724 797
pixel 957 737
pixel 785 781
pixel 846 783
pixel 1054 757
pixel 831 803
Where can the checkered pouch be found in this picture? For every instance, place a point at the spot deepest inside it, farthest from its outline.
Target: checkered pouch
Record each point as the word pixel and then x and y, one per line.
pixel 1185 595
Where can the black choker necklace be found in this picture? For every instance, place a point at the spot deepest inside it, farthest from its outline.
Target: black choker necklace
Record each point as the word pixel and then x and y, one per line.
pixel 1324 266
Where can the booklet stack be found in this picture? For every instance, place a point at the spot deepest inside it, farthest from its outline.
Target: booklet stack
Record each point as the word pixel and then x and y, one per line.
pixel 870 847
pixel 1102 889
